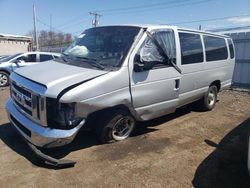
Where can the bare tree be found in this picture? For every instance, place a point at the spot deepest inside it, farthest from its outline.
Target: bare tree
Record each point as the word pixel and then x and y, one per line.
pixel 50 40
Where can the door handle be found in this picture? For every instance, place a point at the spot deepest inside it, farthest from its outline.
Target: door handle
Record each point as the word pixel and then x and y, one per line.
pixel 177 84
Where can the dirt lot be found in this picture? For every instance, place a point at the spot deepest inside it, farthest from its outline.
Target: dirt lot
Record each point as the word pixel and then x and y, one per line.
pixel 186 149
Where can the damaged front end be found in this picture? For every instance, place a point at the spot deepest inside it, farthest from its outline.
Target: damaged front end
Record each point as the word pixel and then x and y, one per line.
pixel 62 115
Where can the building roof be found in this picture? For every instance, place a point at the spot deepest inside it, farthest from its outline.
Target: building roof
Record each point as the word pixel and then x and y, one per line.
pixel 15 37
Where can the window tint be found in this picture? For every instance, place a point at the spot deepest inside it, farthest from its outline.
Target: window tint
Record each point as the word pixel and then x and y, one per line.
pixel 216 48
pixel 45 57
pixel 149 52
pixel 31 58
pixel 191 48
pixel 28 58
pixel 231 48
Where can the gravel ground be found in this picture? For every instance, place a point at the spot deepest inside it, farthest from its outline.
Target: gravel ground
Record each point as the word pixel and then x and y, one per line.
pixel 189 148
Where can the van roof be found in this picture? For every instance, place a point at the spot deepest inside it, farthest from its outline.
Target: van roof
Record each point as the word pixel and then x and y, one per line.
pixel 155 26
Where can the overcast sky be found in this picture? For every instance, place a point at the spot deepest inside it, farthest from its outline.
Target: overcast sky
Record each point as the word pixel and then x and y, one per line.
pixel 73 15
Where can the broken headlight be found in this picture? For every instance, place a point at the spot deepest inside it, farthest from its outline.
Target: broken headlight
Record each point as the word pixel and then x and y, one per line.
pixel 62 115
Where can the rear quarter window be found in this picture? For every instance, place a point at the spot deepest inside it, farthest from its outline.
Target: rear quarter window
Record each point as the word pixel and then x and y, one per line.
pixel 191 48
pixel 216 48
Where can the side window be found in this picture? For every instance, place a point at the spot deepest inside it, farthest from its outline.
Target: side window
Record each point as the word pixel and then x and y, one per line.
pixel 22 58
pixel 45 57
pixel 149 54
pixel 216 48
pixel 28 58
pixel 191 48
pixel 231 48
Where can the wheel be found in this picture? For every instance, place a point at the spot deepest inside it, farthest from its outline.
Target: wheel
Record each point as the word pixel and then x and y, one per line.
pixel 115 126
pixel 4 79
pixel 209 100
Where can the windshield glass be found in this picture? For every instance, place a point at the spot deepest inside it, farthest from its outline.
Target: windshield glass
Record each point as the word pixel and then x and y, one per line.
pixel 8 58
pixel 105 46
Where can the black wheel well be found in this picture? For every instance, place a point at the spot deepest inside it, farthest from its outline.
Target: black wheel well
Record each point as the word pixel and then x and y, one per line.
pixel 5 71
pixel 216 83
pixel 95 116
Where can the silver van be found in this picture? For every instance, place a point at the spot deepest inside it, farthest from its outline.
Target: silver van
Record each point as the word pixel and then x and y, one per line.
pixel 113 76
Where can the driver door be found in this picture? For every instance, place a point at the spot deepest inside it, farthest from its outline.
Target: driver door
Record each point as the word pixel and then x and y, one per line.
pixel 155 91
pixel 25 60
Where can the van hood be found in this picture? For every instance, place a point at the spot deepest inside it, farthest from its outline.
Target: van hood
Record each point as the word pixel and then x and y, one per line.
pixel 58 76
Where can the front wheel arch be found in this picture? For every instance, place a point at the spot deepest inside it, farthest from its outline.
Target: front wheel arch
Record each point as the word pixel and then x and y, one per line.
pixel 97 114
pixel 100 121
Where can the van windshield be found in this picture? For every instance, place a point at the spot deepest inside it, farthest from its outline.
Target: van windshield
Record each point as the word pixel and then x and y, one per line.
pixel 102 46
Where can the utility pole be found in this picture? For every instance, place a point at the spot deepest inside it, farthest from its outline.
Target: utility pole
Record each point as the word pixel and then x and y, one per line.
pixel 35 29
pixel 95 20
pixel 50 42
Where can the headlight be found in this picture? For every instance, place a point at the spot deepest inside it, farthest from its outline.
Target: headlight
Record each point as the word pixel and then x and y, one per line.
pixel 62 115
pixel 66 115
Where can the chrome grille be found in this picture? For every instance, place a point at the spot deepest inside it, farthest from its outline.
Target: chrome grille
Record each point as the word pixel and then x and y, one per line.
pixel 30 104
pixel 22 98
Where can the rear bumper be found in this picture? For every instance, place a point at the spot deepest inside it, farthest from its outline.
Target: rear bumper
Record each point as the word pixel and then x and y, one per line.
pixel 36 134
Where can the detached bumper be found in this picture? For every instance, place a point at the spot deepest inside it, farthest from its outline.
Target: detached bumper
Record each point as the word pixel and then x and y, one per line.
pixel 36 134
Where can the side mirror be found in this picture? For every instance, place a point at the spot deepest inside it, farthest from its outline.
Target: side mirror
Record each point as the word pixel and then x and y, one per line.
pixel 16 61
pixel 140 66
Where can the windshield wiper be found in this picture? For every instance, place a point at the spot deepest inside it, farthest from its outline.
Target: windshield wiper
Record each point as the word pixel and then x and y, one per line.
pixel 61 58
pixel 91 62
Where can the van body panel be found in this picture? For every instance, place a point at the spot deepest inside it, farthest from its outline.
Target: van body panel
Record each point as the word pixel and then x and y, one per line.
pixel 158 88
pixel 57 76
pixel 146 93
pixel 106 91
pixel 154 92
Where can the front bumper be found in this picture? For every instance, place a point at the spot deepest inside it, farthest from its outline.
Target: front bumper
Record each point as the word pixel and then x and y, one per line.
pixel 36 134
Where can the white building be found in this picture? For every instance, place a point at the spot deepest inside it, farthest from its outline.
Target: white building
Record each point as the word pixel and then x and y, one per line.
pixel 11 44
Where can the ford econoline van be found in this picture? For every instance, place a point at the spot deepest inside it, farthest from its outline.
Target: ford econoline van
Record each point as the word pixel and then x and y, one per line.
pixel 112 76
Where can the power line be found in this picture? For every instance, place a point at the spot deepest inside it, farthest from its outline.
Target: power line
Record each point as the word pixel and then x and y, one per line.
pixel 132 9
pixel 142 6
pixel 147 9
pixel 208 20
pixel 72 20
pixel 119 9
pixel 76 23
pixel 47 25
pixel 230 28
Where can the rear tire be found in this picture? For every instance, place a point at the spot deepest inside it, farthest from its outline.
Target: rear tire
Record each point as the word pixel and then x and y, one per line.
pixel 210 98
pixel 4 79
pixel 114 126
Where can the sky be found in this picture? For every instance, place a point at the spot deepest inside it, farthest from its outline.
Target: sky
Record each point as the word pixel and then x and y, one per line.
pixel 72 16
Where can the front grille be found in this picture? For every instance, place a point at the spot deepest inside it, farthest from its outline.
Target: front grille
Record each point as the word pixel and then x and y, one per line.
pixel 22 98
pixel 23 108
pixel 20 126
pixel 29 103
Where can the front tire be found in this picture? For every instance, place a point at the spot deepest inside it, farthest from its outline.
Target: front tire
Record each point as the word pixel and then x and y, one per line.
pixel 4 79
pixel 115 126
pixel 209 100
